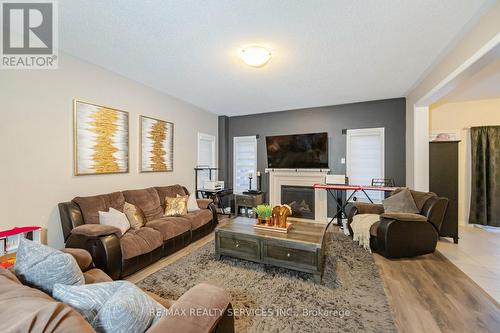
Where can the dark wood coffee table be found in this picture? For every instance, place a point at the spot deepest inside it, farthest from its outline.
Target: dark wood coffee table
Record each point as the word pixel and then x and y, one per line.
pixel 300 249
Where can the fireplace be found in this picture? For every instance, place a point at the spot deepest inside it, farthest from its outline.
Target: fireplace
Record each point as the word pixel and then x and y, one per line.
pixel 301 199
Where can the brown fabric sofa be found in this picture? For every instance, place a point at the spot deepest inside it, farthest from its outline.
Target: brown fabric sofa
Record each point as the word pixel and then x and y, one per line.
pixel 137 248
pixel 399 235
pixel 26 309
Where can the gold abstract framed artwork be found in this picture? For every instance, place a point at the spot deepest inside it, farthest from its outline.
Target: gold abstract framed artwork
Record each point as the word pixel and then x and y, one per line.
pixel 101 139
pixel 156 145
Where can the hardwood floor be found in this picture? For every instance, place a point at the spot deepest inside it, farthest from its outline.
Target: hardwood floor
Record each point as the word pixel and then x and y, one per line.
pixel 430 294
pixel 426 294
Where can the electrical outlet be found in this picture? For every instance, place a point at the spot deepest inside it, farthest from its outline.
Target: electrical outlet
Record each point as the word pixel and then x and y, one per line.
pixel 342 160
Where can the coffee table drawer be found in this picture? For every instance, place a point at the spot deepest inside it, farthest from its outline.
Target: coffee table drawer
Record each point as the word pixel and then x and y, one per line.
pixel 241 247
pixel 300 257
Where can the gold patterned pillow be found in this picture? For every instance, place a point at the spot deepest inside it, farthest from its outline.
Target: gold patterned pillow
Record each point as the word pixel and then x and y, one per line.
pixel 134 215
pixel 176 206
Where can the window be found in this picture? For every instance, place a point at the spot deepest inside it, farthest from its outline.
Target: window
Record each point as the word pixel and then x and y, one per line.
pixel 365 159
pixel 244 162
pixel 206 157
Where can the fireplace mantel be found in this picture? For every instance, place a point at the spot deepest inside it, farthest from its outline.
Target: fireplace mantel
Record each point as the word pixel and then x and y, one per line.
pixel 299 177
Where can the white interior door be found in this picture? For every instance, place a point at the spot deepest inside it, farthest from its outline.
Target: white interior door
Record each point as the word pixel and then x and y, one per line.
pixel 365 159
pixel 244 162
pixel 206 157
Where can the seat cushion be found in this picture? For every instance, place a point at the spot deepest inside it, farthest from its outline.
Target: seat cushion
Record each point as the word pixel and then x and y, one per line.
pixel 404 217
pixel 147 200
pixel 90 206
pixel 26 309
pixel 170 227
pixel 169 191
pixel 199 218
pixel 141 241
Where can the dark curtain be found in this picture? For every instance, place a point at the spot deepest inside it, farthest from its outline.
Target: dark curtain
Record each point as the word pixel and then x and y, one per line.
pixel 485 187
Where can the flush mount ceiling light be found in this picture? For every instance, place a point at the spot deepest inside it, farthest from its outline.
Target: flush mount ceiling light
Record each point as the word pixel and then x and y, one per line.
pixel 255 56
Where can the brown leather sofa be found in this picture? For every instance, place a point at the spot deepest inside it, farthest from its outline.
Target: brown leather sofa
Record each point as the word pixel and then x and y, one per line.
pixel 137 248
pixel 26 309
pixel 399 235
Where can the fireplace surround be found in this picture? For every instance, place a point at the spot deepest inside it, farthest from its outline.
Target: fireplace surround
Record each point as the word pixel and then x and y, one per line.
pixel 300 178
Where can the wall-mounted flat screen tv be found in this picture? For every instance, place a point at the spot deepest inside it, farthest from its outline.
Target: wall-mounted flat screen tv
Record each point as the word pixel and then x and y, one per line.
pixel 297 151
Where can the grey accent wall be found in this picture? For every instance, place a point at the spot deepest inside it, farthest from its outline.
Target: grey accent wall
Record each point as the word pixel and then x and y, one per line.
pixel 389 114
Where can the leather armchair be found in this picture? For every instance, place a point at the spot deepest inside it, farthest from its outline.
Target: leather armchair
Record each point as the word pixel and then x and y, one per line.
pixel 400 235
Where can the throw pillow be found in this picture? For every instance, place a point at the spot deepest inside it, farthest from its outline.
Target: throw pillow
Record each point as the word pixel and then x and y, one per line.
pixel 192 204
pixel 115 218
pixel 401 202
pixel 134 215
pixel 41 266
pixel 118 306
pixel 176 206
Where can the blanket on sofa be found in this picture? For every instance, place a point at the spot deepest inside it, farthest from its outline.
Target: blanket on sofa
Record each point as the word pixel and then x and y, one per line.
pixel 360 226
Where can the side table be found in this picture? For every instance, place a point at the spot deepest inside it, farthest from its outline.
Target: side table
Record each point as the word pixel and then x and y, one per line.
pixel 247 200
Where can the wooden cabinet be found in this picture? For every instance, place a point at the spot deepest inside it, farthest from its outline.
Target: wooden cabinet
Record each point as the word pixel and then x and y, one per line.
pixel 443 180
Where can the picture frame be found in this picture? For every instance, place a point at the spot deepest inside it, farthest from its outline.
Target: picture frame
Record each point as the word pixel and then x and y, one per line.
pixel 156 146
pixel 100 139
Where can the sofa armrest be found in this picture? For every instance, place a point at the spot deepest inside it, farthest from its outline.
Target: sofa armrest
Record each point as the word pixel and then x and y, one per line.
pixel 355 208
pixel 202 309
pixel 82 257
pixel 96 230
pixel 204 203
pixel 105 251
pixel 398 239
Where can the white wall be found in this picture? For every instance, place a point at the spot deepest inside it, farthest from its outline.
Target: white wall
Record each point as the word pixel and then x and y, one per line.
pixel 484 31
pixel 460 117
pixel 36 139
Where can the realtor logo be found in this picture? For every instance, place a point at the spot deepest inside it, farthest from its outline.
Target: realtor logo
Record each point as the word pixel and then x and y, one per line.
pixel 29 35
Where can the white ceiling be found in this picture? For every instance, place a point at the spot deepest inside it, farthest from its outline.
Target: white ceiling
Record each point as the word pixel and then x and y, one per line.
pixel 325 52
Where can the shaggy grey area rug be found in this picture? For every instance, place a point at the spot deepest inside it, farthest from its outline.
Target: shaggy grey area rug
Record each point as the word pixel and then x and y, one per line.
pixel 350 298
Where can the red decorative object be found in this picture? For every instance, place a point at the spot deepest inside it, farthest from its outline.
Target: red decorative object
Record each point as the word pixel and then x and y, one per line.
pixel 18 230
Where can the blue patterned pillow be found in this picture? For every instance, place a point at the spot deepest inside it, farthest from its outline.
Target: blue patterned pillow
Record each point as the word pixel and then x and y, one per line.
pixel 118 306
pixel 41 266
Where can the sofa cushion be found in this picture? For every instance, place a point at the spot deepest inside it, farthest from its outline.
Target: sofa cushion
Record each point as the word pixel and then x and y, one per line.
pixel 404 217
pixel 116 219
pixel 118 306
pixel 199 218
pixel 41 266
pixel 169 191
pixel 401 202
pixel 170 227
pixel 420 198
pixel 192 203
pixel 90 206
pixel 26 309
pixel 176 206
pixel 147 200
pixel 134 215
pixel 141 241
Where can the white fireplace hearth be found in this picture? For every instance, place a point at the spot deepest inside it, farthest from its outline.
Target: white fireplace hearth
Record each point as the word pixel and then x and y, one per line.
pixel 303 178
